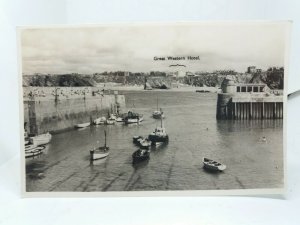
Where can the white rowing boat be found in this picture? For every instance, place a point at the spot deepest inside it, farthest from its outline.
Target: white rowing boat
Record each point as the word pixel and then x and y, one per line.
pixel 82 125
pixel 213 165
pixel 41 139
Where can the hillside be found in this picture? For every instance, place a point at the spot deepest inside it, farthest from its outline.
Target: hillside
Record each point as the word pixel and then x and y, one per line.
pixel 67 80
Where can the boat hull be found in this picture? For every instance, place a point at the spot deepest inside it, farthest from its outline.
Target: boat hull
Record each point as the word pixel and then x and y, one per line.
pixel 110 122
pixel 213 165
pixel 82 125
pixel 155 138
pixel 42 139
pixel 98 155
pixel 140 155
pixel 34 151
pixel 135 120
pixel 99 121
pixel 119 120
pixel 158 115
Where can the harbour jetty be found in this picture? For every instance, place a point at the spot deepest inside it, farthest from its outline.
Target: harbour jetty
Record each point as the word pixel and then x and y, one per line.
pixel 55 109
pixel 248 101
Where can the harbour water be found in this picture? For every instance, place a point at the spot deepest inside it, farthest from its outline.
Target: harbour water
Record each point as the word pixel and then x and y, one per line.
pixel 194 133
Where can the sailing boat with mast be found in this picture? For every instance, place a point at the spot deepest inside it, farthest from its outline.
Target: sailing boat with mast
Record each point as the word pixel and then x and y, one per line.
pixel 157 114
pixel 100 152
pixel 159 134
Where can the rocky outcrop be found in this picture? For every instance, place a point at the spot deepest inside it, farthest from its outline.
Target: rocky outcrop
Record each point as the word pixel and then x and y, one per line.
pixel 158 82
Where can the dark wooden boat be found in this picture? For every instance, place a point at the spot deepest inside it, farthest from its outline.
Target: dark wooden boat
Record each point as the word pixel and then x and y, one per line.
pixel 140 155
pixel 159 134
pixel 132 117
pixel 136 139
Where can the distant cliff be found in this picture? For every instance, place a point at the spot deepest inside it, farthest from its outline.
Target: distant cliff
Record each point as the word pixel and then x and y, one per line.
pixel 68 80
pixel 158 82
pixel 273 77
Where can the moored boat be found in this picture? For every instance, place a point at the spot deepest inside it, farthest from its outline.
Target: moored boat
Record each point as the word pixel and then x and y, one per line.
pixel 158 114
pixel 113 117
pixel 110 121
pixel 100 120
pixel 82 125
pixel 140 155
pixel 132 117
pixel 213 165
pixel 119 119
pixel 136 139
pixel 159 134
pixel 144 143
pixel 34 151
pixel 100 152
pixel 41 139
pixel 29 147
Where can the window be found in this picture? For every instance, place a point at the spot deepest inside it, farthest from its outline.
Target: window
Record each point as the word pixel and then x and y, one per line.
pixel 243 89
pixel 238 89
pixel 255 89
pixel 261 89
pixel 249 89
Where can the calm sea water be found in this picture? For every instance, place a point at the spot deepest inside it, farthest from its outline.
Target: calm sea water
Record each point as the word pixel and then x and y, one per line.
pixel 194 133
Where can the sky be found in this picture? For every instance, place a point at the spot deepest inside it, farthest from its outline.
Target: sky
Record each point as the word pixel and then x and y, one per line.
pixel 95 49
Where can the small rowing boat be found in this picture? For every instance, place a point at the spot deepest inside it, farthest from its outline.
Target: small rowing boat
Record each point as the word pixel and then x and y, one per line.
pixel 82 125
pixel 213 165
pixel 41 139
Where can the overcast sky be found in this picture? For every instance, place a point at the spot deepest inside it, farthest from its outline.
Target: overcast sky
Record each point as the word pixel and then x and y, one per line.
pixel 132 48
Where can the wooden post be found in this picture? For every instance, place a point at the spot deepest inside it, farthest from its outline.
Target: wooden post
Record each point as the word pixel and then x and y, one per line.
pixel 235 116
pixel 275 111
pixel 263 110
pixel 242 104
pixel 250 115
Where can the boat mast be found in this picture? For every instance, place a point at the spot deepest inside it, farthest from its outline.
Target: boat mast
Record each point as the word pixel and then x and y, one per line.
pixel 105 138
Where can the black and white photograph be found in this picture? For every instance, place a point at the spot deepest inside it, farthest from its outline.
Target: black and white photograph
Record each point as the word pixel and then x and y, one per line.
pixel 154 107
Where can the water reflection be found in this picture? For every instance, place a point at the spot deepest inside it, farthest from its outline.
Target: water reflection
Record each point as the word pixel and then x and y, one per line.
pixel 35 170
pixel 240 125
pixel 141 164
